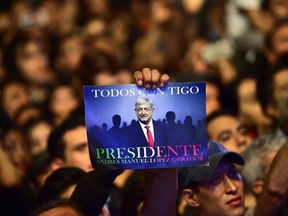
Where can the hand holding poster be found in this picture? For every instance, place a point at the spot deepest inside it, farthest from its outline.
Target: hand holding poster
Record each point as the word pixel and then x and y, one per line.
pixel 135 128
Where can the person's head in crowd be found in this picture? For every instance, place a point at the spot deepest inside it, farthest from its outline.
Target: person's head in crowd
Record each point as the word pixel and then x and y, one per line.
pixel 62 15
pixel 98 68
pixel 144 110
pixel 212 58
pixel 192 59
pixel 276 41
pixel 248 106
pixel 7 24
pixel 63 99
pixel 94 27
pixel 228 130
pixel 60 184
pixel 14 145
pixel 31 59
pixel 16 9
pixel 213 89
pixel 200 123
pixel 27 113
pixel 159 41
pixel 216 189
pixel 124 76
pixel 104 127
pixel 58 207
pixel 22 12
pixel 188 121
pixel 160 12
pixel 69 53
pixel 116 120
pixel 27 57
pixel 108 77
pixel 68 145
pixel 273 94
pixel 14 95
pixel 170 117
pixel 38 131
pixel 258 159
pixel 278 9
pixel 96 8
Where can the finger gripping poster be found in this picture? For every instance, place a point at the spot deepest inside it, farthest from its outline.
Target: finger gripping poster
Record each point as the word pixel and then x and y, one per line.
pixel 129 127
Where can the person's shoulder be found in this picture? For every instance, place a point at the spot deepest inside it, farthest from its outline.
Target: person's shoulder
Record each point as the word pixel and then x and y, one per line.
pixel 160 124
pixel 132 126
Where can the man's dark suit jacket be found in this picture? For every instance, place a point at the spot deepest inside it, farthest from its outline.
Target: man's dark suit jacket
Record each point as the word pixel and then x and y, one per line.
pixel 134 136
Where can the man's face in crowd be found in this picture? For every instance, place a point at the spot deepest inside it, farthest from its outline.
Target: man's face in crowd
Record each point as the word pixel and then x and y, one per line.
pixel 144 112
pixel 221 194
pixel 76 151
pixel 229 132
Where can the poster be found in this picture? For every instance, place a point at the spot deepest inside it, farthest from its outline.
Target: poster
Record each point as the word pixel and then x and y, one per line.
pixel 116 117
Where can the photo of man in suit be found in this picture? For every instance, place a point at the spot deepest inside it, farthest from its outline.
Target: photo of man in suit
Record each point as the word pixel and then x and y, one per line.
pixel 146 132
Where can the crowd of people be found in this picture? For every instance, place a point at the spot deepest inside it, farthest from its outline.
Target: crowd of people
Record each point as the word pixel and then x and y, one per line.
pixel 50 49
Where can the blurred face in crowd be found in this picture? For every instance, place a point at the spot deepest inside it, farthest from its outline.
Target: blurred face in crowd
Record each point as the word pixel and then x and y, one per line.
pixel 63 101
pixel 222 194
pixel 160 12
pixel 280 41
pixel 76 149
pixel 193 56
pixel 97 7
pixel 104 78
pixel 14 96
pixel 70 54
pixel 249 107
pixel 278 8
pixel 125 77
pixel 33 63
pixel 15 147
pixel 230 132
pixel 144 112
pixel 107 78
pixel 38 137
pixel 280 95
pixel 95 27
pixel 212 98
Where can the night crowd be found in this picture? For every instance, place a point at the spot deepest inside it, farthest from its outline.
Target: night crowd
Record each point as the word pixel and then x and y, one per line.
pixel 50 49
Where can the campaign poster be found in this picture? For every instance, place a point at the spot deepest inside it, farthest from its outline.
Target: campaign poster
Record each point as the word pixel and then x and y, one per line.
pixel 130 127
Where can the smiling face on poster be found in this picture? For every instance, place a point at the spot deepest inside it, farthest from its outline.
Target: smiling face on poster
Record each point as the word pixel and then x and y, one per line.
pixel 144 110
pixel 129 127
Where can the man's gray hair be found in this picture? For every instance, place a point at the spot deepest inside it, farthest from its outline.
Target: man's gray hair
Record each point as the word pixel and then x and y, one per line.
pixel 255 156
pixel 143 100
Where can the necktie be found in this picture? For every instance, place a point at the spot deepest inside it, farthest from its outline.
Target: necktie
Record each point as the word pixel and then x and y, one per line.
pixel 149 136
